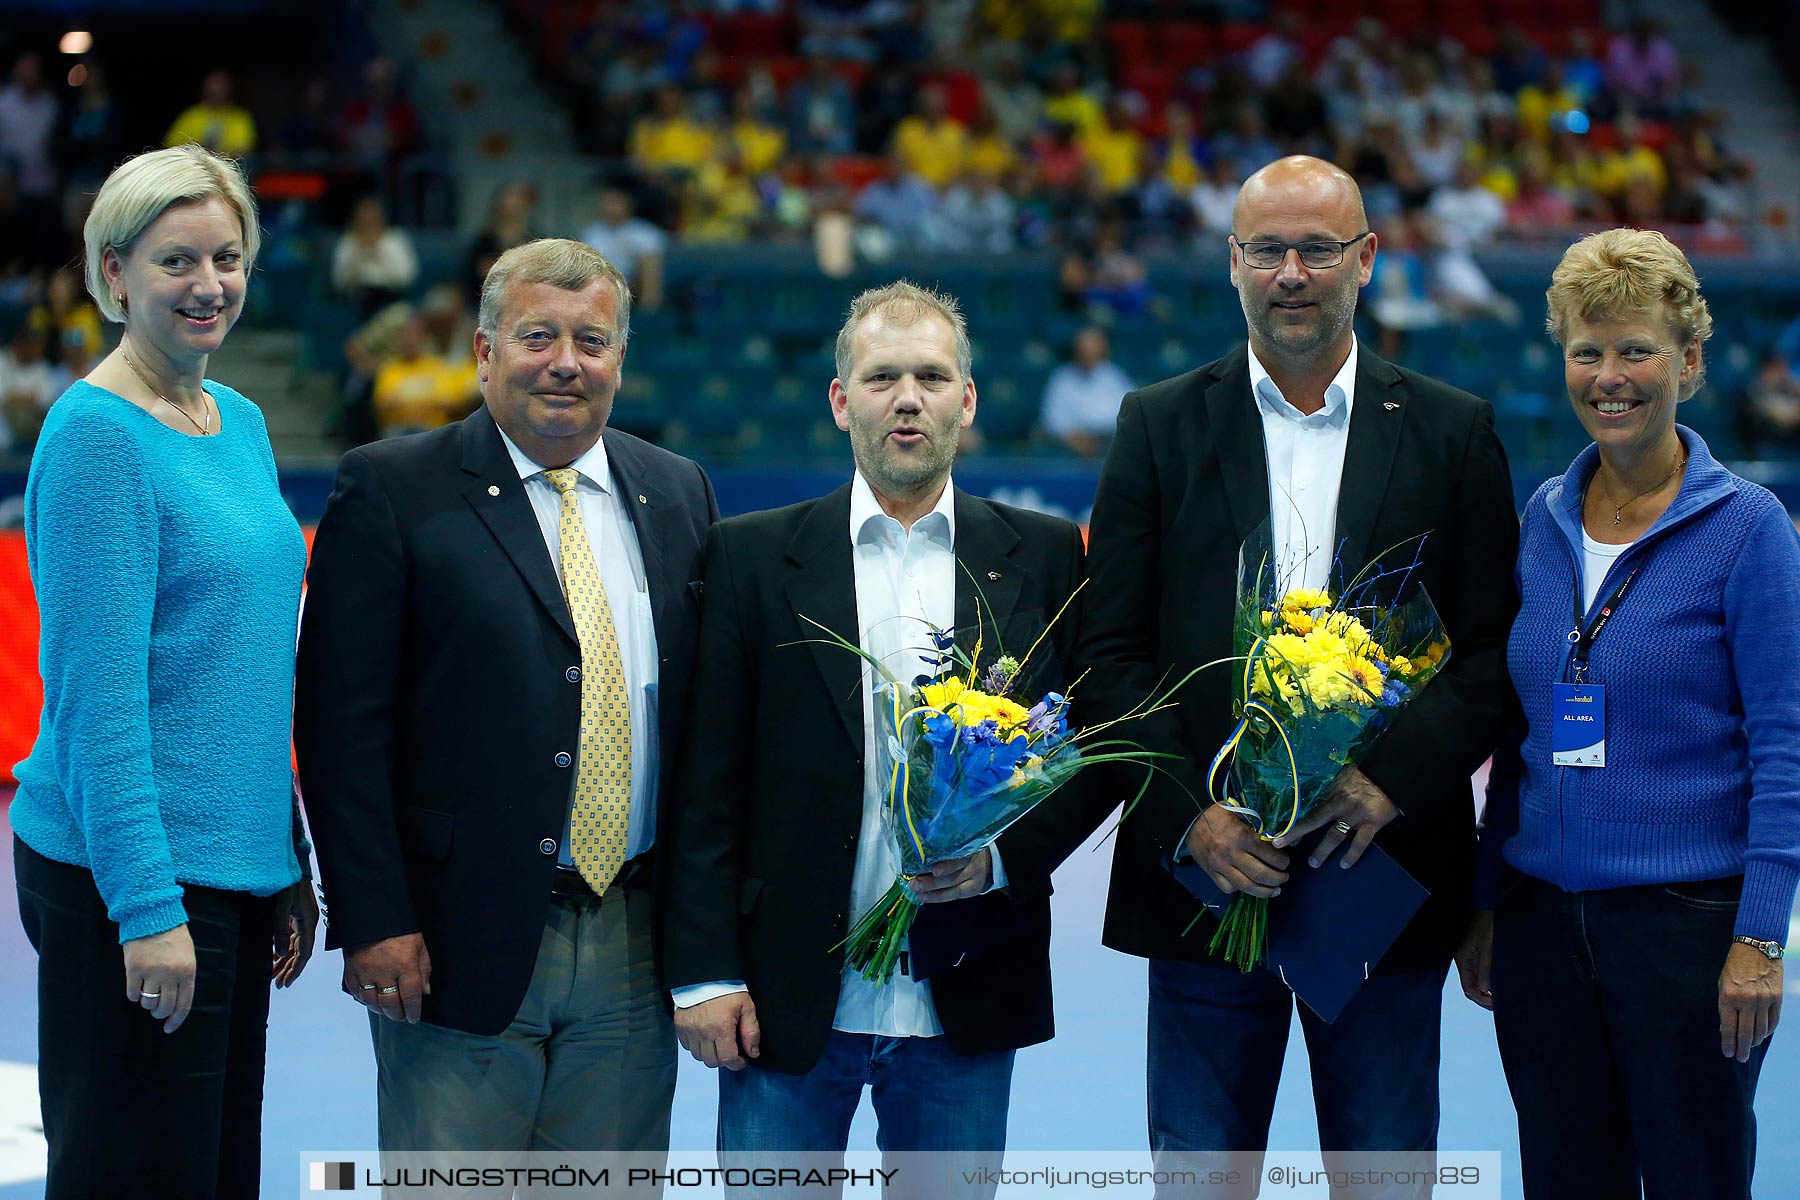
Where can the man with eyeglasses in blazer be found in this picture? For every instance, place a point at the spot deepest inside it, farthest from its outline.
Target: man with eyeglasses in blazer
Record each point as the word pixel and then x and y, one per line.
pixel 1349 455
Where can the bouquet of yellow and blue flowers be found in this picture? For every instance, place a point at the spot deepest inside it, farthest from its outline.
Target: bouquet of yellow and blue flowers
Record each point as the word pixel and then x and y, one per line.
pixel 961 757
pixel 1323 674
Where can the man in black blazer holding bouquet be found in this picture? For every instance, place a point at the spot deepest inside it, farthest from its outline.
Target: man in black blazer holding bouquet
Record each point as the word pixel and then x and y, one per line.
pixel 777 845
pixel 1349 456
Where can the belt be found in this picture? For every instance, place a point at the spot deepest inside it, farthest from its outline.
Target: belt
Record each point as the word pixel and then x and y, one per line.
pixel 567 883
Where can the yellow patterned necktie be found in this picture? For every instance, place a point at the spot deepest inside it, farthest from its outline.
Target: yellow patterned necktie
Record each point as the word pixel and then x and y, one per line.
pixel 601 812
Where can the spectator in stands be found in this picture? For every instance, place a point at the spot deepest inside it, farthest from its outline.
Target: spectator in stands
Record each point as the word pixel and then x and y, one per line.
pixel 931 143
pixel 1271 57
pixel 1109 278
pixel 889 95
pixel 511 221
pixel 217 122
pixel 1016 102
pixel 448 321
pixel 988 150
pixel 668 142
pixel 1068 103
pixel 1399 291
pixel 1295 112
pixel 1630 917
pixel 722 204
pixel 89 142
pixel 1437 151
pixel 1629 163
pixel 1246 140
pixel 899 204
pixel 630 243
pixel 29 382
pixel 1584 75
pixel 374 263
pixel 1113 146
pixel 1182 154
pixel 1214 197
pixel 758 144
pixel 309 134
pixel 1544 101
pixel 1466 214
pixel 1643 67
pixel 1081 400
pixel 1518 61
pixel 420 388
pixel 157 832
pixel 821 114
pixel 977 215
pixel 28 119
pixel 1771 405
pixel 70 323
pixel 380 125
pixel 1537 206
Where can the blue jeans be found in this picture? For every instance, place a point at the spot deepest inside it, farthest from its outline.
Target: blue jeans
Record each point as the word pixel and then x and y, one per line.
pixel 927 1097
pixel 1606 1007
pixel 1216 1041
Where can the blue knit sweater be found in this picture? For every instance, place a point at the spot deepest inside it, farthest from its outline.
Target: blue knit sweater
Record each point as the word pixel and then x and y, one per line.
pixel 1701 665
pixel 167 571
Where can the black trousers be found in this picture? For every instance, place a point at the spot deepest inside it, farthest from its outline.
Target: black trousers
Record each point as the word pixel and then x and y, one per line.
pixel 128 1109
pixel 1606 1006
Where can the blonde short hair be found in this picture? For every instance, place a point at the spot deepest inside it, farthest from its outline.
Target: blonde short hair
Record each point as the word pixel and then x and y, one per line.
pixel 141 188
pixel 1622 274
pixel 908 303
pixel 560 262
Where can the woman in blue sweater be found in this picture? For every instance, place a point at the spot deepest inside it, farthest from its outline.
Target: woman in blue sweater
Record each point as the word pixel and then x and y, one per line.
pixel 158 852
pixel 1642 837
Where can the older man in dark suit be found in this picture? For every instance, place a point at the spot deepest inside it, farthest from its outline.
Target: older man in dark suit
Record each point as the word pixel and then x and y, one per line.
pixel 778 844
pixel 494 667
pixel 1345 455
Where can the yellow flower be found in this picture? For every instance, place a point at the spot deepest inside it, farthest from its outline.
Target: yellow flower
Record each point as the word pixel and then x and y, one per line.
pixel 1298 620
pixel 967 706
pixel 1307 598
pixel 1367 677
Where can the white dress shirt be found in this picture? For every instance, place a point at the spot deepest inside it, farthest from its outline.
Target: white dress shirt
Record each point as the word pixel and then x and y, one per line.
pixel 1306 472
pixel 905 585
pixel 614 544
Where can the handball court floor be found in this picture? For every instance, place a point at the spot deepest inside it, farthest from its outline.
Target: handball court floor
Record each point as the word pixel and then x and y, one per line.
pixel 1082 1091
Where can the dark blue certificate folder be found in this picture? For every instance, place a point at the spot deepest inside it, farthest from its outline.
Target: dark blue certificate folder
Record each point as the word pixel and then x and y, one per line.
pixel 1329 927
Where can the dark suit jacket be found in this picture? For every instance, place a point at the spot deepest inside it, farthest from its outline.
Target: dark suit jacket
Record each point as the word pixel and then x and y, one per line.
pixel 1185 483
pixel 769 799
pixel 434 696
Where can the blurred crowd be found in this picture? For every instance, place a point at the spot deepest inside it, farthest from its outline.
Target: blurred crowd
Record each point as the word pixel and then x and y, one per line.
pixel 986 126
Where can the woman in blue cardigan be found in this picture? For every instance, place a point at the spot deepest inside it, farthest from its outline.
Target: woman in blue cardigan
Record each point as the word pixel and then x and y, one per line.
pixel 158 851
pixel 1641 844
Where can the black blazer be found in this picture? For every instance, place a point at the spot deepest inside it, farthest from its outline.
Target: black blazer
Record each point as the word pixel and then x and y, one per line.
pixel 769 798
pixel 434 696
pixel 1185 482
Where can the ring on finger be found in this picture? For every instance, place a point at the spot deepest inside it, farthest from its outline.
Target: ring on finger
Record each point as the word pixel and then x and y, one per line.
pixel 387 991
pixel 365 987
pixel 1343 827
pixel 150 995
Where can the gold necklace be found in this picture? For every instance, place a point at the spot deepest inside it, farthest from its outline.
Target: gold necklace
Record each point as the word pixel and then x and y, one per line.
pixel 205 430
pixel 1619 508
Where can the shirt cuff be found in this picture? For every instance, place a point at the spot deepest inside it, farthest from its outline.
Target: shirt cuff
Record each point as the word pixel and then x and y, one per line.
pixel 1181 854
pixel 996 870
pixel 700 993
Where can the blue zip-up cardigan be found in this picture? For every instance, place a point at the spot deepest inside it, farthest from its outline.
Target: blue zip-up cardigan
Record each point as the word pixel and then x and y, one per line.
pixel 1701 664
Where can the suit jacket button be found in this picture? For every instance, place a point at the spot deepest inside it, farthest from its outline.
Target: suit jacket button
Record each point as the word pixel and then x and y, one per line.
pixel 563 759
pixel 548 846
pixel 573 674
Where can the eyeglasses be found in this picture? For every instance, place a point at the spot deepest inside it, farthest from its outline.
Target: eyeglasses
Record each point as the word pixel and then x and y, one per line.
pixel 1266 256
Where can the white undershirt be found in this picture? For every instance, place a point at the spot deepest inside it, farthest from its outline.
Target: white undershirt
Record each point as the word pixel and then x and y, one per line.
pixel 1306 472
pixel 1597 559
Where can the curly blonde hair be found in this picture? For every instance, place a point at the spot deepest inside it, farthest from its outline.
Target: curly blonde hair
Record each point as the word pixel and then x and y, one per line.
pixel 1625 274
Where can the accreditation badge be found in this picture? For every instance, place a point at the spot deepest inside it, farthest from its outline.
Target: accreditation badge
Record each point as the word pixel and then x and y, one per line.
pixel 1578 725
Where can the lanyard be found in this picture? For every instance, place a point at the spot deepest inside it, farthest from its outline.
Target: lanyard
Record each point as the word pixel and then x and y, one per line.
pixel 1583 639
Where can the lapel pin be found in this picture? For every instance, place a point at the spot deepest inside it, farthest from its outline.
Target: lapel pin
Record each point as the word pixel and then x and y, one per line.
pixel 1390 405
pixel 642 499
pixel 493 489
pixel 993 574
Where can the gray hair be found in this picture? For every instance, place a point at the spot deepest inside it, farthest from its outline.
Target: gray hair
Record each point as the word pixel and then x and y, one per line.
pixel 560 262
pixel 141 188
pixel 908 303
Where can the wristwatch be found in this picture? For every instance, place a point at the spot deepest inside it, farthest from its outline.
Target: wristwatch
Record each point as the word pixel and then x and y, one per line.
pixel 1770 950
